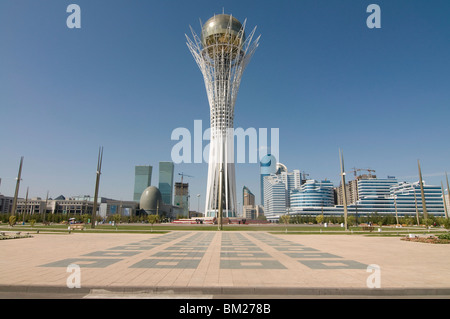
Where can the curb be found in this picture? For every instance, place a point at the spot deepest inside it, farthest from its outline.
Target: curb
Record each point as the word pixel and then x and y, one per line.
pixel 250 291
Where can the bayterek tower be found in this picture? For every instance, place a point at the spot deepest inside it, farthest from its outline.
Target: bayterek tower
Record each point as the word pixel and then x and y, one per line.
pixel 222 52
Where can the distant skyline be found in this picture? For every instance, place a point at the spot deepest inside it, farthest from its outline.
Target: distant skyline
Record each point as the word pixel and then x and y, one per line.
pixel 126 79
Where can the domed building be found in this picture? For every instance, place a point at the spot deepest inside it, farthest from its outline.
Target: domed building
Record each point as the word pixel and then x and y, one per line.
pixel 151 200
pixel 151 203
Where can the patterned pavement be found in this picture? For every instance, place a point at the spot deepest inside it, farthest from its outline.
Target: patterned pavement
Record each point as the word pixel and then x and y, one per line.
pixel 224 262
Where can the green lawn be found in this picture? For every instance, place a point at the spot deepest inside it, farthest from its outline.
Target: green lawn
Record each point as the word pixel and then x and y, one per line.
pixel 273 228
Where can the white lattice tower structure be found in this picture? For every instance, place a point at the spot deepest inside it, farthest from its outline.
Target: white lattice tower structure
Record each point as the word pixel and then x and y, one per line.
pixel 222 53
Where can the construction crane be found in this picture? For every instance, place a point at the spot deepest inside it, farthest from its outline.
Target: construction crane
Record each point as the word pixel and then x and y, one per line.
pixel 303 175
pixel 356 170
pixel 182 175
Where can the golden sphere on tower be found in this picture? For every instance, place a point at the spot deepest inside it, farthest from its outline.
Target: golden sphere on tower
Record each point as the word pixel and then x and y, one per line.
pixel 222 35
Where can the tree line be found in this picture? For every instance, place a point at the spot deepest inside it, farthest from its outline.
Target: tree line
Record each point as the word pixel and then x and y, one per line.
pixel 64 218
pixel 375 218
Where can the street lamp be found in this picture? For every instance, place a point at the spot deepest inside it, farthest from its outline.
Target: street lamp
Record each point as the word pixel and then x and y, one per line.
pixel 395 204
pixel 443 200
pixel 415 203
pixel 198 203
pixel 344 194
pixel 287 217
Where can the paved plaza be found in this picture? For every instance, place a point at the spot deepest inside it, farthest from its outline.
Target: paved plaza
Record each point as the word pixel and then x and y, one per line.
pixel 204 263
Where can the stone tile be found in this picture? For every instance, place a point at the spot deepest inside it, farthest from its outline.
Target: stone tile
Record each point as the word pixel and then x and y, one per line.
pixel 106 253
pixel 135 247
pixel 333 264
pixel 190 254
pixel 83 262
pixel 311 255
pixel 167 263
pixel 232 254
pixel 250 264
pixel 240 248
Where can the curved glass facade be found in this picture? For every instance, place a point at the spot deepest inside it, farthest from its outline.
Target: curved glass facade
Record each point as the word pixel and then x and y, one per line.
pixel 375 187
pixel 313 194
pixel 406 196
pixel 383 196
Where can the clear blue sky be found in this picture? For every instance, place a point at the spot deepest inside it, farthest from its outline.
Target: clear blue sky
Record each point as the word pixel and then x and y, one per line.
pixel 126 80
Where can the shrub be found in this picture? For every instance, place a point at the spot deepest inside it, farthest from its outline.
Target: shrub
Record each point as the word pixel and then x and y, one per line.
pixel 446 223
pixel 428 221
pixel 444 236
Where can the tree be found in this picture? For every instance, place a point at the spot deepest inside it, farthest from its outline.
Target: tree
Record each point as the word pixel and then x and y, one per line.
pixel 319 219
pixel 351 220
pixel 261 217
pixel 409 221
pixel 428 222
pixel 116 219
pixel 285 219
pixel 85 218
pixel 12 220
pixel 152 219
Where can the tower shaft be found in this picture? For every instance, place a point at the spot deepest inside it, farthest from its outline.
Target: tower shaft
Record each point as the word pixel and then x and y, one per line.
pixel 222 55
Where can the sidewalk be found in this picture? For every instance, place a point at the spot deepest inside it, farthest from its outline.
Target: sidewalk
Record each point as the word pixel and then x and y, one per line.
pixel 225 263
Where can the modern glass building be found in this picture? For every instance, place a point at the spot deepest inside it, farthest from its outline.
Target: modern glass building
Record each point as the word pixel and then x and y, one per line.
pixel 268 165
pixel 374 195
pixel 407 196
pixel 275 196
pixel 375 187
pixel 142 180
pixel 277 188
pixel 165 185
pixel 313 194
pixel 292 181
pixel 6 204
pixel 382 196
pixel 248 199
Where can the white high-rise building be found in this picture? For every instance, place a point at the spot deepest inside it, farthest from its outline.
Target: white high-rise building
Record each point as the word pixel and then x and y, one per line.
pixel 277 190
pixel 275 196
pixel 292 181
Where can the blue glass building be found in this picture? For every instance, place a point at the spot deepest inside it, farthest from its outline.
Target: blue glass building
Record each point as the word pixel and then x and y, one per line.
pixel 268 165
pixel 313 194
pixel 165 185
pixel 406 196
pixel 142 180
pixel 382 196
